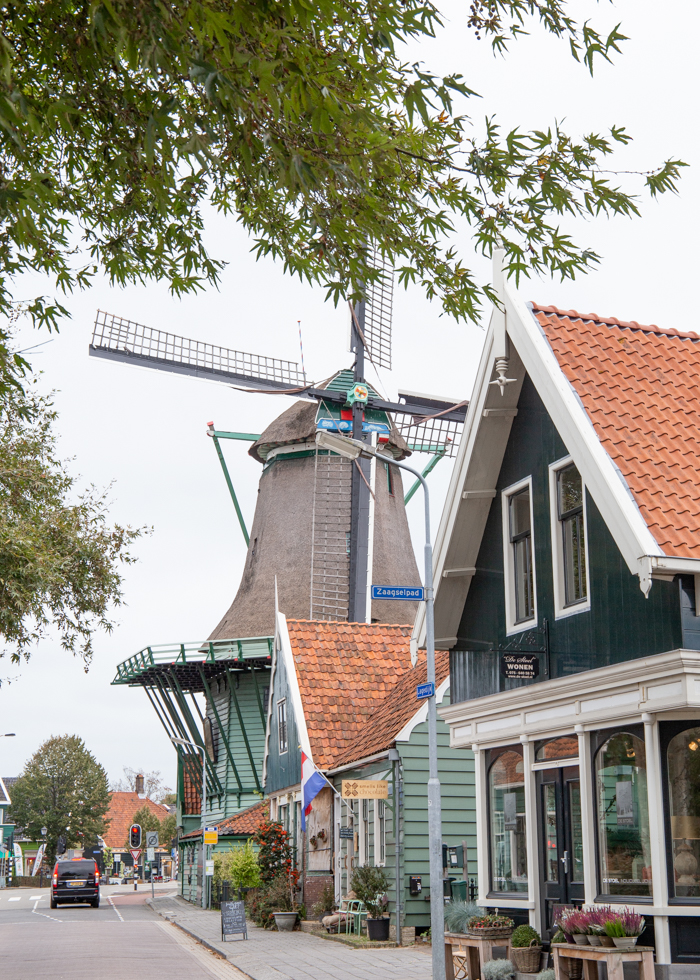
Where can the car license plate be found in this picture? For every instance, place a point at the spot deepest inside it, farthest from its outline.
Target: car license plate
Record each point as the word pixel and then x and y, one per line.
pixel 76 884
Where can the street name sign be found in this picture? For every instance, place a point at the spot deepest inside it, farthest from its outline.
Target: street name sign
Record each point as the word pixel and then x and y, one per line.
pixel 365 789
pixel 211 835
pixel 151 838
pixel 425 691
pixel 409 592
pixel 233 920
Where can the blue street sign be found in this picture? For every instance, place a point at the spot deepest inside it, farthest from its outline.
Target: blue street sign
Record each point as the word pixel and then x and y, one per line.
pixel 425 691
pixel 345 425
pixel 413 593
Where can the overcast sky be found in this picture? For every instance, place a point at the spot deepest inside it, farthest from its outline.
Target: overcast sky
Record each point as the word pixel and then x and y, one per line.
pixel 146 430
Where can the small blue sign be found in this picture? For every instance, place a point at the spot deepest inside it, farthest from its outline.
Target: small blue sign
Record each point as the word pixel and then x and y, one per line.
pixel 410 592
pixel 425 691
pixel 345 425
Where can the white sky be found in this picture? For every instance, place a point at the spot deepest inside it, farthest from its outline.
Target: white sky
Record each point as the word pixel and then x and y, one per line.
pixel 146 430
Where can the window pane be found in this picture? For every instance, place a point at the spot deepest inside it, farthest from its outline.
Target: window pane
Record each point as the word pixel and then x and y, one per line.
pixel 570 490
pixel 565 747
pixel 507 799
pixel 574 541
pixel 519 512
pixel 623 819
pixel 684 798
pixel 523 579
pixel 282 725
pixel 549 803
pixel 576 864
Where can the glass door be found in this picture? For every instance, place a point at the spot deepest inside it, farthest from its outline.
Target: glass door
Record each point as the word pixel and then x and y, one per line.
pixel 561 841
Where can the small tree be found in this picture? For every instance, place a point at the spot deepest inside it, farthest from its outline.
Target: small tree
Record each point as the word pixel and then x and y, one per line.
pixel 239 866
pixel 275 852
pixel 370 885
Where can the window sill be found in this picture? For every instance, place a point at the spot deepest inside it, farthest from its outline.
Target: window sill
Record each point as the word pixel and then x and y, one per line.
pixel 623 900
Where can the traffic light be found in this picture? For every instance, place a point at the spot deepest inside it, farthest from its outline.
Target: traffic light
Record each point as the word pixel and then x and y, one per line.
pixel 61 845
pixel 135 836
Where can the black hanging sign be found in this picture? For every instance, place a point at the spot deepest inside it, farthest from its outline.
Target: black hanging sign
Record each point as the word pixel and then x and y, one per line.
pixel 521 666
pixel 233 919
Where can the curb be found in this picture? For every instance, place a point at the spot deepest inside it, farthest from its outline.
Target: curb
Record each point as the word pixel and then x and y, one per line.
pixel 193 935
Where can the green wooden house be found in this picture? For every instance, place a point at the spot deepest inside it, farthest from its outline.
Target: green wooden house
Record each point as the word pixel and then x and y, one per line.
pixel 347 693
pixel 567 566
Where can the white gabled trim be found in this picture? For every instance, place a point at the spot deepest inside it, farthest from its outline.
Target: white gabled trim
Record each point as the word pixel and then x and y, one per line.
pixel 285 647
pixel 422 714
pixel 604 480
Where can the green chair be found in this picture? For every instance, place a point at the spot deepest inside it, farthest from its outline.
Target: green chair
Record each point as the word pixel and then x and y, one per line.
pixel 356 911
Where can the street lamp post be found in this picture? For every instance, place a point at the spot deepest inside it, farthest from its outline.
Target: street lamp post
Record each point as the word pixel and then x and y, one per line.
pixel 351 449
pixel 199 748
pixel 44 832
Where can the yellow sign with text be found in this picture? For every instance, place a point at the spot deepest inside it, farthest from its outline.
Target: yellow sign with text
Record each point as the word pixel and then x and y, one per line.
pixel 211 835
pixel 365 789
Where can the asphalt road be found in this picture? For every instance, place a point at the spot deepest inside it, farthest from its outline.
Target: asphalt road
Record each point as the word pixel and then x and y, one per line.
pixel 122 940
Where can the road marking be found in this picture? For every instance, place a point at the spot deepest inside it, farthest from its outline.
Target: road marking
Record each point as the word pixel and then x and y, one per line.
pixel 43 914
pixel 109 899
pixel 35 898
pixel 15 899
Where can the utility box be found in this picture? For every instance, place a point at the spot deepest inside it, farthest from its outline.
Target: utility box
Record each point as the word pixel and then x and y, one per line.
pixel 452 857
pixel 459 891
pixel 415 885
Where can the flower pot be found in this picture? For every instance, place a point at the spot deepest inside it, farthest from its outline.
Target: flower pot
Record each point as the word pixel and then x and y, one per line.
pixel 490 932
pixel 625 942
pixel 594 940
pixel 526 959
pixel 581 939
pixel 378 929
pixel 285 921
pixel 607 941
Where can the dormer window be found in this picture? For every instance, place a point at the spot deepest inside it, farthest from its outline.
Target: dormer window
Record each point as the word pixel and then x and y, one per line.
pixel 282 725
pixel 568 506
pixel 519 557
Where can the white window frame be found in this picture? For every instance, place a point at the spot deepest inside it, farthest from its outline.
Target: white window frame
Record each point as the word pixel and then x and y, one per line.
pixel 282 709
pixel 561 610
pixel 363 842
pixel 379 833
pixel 508 564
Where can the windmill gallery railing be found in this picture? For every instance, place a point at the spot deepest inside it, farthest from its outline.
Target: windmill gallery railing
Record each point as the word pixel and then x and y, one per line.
pixel 172 675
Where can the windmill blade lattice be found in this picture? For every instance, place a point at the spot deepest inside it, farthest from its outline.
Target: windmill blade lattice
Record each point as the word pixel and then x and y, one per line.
pixel 431 435
pixel 378 313
pixel 123 340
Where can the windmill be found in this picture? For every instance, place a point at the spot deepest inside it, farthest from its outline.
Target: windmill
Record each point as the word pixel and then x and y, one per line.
pixel 327 571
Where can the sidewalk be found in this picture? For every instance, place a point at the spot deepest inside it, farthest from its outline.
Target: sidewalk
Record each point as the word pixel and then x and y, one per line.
pixel 268 955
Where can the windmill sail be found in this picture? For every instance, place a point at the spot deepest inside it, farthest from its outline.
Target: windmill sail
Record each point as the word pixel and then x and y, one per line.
pixel 123 340
pixel 378 313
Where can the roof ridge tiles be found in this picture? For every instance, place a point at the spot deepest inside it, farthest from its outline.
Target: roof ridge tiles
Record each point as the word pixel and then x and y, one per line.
pixel 613 321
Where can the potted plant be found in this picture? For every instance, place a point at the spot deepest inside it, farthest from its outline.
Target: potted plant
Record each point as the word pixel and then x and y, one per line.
pixel 498 970
pixel 493 926
pixel 458 914
pixel 577 924
pixel 526 946
pixel 625 928
pixel 370 885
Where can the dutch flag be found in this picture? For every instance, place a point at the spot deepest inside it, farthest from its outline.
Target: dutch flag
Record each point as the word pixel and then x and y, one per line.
pixel 312 782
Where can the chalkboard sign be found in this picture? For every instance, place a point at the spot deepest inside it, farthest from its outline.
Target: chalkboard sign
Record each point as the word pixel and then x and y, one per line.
pixel 233 919
pixel 525 666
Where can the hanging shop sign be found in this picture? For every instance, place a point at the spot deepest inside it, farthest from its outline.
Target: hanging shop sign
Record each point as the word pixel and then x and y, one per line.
pixel 365 789
pixel 522 666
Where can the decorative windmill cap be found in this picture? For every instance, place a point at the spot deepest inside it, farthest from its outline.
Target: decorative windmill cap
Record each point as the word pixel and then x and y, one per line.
pixel 298 424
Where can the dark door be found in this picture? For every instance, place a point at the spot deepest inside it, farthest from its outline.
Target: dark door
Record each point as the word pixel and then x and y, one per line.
pixel 561 841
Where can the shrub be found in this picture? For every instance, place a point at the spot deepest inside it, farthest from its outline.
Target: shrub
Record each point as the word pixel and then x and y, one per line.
pixel 546 975
pixel 326 902
pixel 523 936
pixel 272 897
pixel 370 885
pixel 498 970
pixel 239 866
pixel 275 852
pixel 458 914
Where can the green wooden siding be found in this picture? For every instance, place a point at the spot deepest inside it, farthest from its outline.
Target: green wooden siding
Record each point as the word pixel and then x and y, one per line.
pixel 283 769
pixel 621 624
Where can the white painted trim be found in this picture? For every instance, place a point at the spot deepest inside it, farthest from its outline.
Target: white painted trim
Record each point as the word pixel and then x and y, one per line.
pixel 561 610
pixel 422 714
pixel 297 447
pixel 482 825
pixel 531 835
pixel 508 564
pixel 555 764
pixel 293 681
pixel 655 796
pixel 590 886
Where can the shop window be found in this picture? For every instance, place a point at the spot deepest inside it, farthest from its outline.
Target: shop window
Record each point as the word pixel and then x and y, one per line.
pixel 683 767
pixel 565 747
pixel 623 817
pixel 282 725
pixel 364 832
pixel 507 822
pixel 519 556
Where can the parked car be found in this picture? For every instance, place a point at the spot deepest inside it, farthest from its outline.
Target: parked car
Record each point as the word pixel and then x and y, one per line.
pixel 75 881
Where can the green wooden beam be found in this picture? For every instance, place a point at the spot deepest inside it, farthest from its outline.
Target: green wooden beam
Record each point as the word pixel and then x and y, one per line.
pixel 229 484
pixel 208 695
pixel 431 466
pixel 232 690
pixel 243 436
pixel 190 760
pixel 263 719
pixel 194 733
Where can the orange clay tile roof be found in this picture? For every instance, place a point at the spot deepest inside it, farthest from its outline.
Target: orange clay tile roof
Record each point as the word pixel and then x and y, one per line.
pixel 345 671
pixel 395 711
pixel 192 802
pixel 641 388
pixel 122 807
pixel 242 824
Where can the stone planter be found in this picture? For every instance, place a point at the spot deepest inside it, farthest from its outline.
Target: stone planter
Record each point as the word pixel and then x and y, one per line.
pixel 625 942
pixel 594 940
pixel 606 941
pixel 378 929
pixel 285 921
pixel 581 939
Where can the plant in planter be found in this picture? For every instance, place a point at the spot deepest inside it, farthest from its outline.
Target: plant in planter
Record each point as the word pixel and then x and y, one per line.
pixel 458 914
pixel 577 924
pixel 326 903
pixel 625 928
pixel 277 902
pixel 370 885
pixel 492 926
pixel 526 946
pixel 547 974
pixel 498 970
